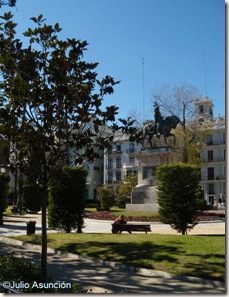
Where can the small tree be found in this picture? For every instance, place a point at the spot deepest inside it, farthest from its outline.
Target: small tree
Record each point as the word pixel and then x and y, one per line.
pixel 177 195
pixel 106 197
pixel 126 187
pixel 67 199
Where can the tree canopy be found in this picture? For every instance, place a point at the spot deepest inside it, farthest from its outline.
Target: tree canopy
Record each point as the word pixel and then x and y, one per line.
pixel 51 103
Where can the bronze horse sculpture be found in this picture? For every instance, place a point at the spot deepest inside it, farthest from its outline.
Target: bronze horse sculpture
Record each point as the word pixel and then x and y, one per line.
pixel 163 127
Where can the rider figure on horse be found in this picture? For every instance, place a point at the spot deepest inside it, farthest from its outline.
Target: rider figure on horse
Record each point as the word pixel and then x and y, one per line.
pixel 157 118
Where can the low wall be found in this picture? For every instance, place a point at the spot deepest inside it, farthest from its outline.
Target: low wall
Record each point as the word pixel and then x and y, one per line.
pixel 142 207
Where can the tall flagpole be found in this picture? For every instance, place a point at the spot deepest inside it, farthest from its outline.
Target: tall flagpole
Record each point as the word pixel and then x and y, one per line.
pixel 143 89
pixel 204 63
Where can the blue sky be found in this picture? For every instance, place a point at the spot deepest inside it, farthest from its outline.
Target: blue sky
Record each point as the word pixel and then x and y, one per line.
pixel 166 33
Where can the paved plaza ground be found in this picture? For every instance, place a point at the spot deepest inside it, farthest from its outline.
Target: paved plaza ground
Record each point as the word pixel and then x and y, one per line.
pixel 16 225
pixel 103 276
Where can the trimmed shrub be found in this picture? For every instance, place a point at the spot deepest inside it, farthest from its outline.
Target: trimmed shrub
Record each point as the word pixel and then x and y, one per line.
pixel 67 199
pixel 177 195
pixel 106 197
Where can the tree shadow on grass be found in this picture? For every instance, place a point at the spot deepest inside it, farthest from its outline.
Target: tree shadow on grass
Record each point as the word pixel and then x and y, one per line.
pixel 152 256
pixel 137 254
pixel 208 268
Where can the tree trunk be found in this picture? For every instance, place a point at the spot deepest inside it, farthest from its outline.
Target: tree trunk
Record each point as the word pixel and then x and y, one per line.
pixel 44 226
pixel 44 240
pixel 185 155
pixel 184 232
pixel 79 222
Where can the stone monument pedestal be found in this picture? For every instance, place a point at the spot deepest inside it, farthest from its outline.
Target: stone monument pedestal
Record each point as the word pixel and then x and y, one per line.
pixel 144 195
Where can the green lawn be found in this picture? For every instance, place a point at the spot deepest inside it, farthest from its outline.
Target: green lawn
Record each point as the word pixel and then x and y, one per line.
pixel 199 256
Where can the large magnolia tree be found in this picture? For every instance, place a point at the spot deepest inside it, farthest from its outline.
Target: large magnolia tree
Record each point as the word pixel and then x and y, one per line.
pixel 51 103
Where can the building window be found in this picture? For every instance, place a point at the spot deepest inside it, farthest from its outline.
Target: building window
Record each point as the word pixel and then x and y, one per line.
pixel 211 189
pixel 110 176
pixel 210 110
pixel 210 140
pixel 118 148
pixel 109 163
pixel 118 163
pixel 201 108
pixel 210 155
pixel 211 173
pixel 118 176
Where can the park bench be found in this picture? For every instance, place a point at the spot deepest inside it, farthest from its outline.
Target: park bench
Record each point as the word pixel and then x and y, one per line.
pixel 118 228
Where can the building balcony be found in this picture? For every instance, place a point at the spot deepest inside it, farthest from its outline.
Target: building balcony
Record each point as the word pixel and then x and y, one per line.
pixel 108 181
pixel 215 142
pixel 113 166
pixel 216 159
pixel 130 165
pixel 213 179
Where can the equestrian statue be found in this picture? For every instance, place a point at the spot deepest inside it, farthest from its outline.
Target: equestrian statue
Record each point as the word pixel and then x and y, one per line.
pixel 161 126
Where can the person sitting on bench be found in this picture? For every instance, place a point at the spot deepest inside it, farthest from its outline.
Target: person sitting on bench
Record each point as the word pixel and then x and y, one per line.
pixel 120 220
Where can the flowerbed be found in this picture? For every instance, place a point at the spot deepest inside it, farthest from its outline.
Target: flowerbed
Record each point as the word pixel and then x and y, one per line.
pixel 210 215
pixel 110 216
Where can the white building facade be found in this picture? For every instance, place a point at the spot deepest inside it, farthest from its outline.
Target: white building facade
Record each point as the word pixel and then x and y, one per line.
pixel 213 156
pixel 120 161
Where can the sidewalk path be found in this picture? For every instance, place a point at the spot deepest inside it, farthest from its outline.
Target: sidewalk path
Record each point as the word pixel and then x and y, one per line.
pixel 103 276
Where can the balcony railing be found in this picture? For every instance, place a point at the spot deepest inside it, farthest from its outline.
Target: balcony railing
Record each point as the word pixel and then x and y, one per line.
pixel 113 166
pixel 216 142
pixel 131 164
pixel 113 181
pixel 215 159
pixel 216 178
